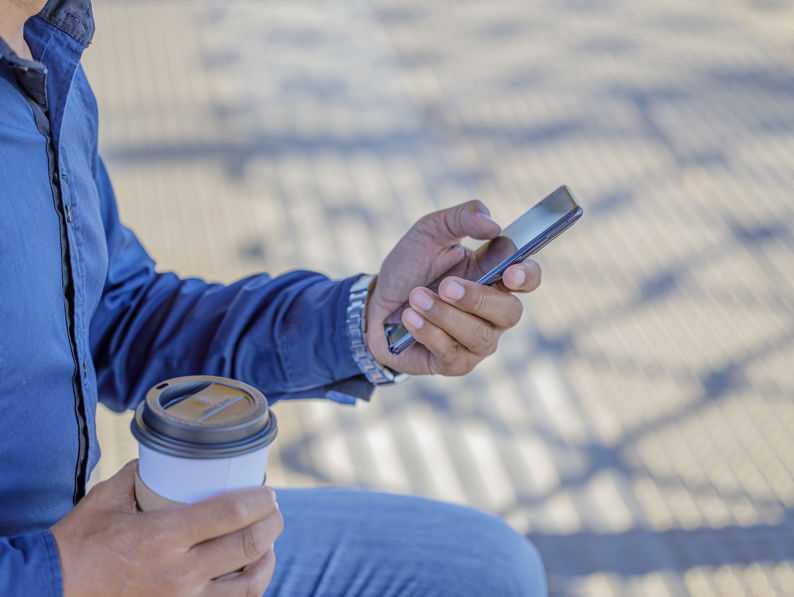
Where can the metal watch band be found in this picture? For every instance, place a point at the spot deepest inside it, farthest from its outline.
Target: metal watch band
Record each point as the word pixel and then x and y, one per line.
pixel 375 373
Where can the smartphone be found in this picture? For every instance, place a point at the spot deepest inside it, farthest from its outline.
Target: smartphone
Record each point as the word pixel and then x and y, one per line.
pixel 524 237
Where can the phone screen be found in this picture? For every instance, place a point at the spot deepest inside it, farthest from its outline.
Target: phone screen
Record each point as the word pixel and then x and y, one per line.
pixel 525 236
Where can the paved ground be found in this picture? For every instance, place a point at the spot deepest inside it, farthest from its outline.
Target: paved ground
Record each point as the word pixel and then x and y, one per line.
pixel 638 424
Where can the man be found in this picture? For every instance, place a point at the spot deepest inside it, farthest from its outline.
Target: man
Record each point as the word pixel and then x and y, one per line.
pixel 84 316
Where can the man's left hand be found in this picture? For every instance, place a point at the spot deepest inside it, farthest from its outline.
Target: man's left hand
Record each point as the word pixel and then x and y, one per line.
pixel 460 325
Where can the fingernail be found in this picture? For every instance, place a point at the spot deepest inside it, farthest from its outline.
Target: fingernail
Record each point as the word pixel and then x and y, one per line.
pixel 490 219
pixel 454 290
pixel 519 277
pixel 422 300
pixel 413 319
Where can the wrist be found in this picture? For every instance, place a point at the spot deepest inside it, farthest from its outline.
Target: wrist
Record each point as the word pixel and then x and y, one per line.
pixel 375 372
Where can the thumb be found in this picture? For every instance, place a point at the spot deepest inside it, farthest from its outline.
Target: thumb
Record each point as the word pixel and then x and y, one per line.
pixel 119 491
pixel 449 225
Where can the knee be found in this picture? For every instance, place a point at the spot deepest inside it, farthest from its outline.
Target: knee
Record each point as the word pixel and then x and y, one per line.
pixel 487 557
pixel 524 573
pixel 403 545
pixel 513 566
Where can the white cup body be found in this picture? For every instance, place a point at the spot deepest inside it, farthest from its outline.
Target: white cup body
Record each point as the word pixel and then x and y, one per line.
pixel 189 480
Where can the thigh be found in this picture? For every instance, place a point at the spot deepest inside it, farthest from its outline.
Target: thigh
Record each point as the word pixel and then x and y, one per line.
pixel 339 542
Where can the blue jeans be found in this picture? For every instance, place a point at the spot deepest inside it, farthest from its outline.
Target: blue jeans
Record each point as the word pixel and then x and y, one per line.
pixel 339 542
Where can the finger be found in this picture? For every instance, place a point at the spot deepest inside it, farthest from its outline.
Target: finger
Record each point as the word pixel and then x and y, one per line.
pixel 495 306
pixel 520 277
pixel 253 580
pixel 235 550
pixel 467 219
pixel 476 335
pixel 216 516
pixel 447 355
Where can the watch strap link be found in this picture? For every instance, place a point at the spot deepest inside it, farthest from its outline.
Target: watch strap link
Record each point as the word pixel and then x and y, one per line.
pixel 375 373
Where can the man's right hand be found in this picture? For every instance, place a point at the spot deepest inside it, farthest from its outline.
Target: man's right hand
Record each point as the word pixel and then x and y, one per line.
pixel 108 548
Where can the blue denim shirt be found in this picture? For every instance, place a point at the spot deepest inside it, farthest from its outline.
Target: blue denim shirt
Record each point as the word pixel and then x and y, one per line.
pixel 84 316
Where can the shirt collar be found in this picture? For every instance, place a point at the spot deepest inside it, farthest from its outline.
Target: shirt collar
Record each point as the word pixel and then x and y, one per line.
pixel 73 17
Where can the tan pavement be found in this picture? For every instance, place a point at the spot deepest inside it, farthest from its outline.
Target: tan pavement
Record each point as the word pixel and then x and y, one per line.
pixel 637 425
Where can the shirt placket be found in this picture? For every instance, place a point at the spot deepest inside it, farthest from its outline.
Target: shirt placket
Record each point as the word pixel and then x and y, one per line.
pixel 33 83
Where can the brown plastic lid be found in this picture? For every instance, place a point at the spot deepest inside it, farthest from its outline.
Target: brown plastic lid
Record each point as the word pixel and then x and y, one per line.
pixel 202 416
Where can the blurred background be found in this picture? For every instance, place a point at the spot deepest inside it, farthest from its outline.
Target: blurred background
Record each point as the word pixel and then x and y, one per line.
pixel 638 425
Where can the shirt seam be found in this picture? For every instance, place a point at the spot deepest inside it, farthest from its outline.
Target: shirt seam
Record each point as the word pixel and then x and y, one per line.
pixel 54 560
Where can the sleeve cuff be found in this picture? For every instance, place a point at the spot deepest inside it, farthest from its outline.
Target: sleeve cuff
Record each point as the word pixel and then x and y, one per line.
pixel 54 559
pixel 353 385
pixel 30 565
pixel 325 338
pixel 347 391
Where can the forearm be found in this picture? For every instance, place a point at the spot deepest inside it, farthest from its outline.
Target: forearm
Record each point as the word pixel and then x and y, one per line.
pixel 284 335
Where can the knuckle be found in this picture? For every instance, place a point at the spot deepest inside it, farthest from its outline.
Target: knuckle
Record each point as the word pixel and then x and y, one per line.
pixel 455 366
pixel 268 498
pixel 470 365
pixel 235 511
pixel 279 523
pixel 477 206
pixel 492 348
pixel 482 340
pixel 272 498
pixel 435 366
pixel 479 301
pixel 253 542
pixel 462 367
pixel 260 578
pixel 449 354
pixel 515 313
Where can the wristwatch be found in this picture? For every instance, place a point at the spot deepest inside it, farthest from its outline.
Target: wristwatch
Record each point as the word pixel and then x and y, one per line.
pixel 376 374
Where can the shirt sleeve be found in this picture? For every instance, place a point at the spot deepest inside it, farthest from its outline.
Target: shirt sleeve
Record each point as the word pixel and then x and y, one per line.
pixel 29 565
pixel 284 335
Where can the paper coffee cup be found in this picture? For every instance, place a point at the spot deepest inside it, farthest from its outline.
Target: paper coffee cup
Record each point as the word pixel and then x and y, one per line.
pixel 200 436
